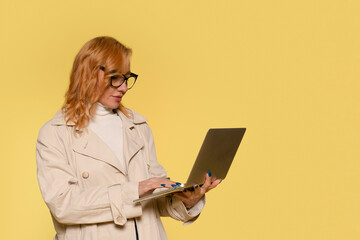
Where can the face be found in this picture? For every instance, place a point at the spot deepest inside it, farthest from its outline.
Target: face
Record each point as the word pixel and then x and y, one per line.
pixel 112 97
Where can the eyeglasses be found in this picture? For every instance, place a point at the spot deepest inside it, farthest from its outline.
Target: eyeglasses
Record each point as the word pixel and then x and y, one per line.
pixel 117 80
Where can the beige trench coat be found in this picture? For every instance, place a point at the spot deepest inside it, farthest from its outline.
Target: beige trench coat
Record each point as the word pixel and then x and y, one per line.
pixel 89 195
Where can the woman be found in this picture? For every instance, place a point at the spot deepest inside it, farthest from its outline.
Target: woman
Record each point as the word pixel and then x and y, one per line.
pixel 96 156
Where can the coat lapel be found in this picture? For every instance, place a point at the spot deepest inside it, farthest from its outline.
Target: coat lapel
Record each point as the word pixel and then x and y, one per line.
pixel 89 144
pixel 132 141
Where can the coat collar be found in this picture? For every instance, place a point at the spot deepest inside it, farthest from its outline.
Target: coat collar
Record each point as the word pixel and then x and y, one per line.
pixel 88 143
pixel 132 118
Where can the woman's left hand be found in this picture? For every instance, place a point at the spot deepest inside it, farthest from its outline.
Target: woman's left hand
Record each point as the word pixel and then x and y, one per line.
pixel 190 198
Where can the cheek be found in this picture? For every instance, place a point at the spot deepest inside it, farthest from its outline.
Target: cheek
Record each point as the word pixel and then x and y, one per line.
pixel 106 94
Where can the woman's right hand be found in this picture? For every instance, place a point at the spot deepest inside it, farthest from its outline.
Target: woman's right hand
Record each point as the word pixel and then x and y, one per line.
pixel 149 185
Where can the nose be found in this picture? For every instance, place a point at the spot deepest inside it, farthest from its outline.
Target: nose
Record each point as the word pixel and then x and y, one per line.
pixel 123 88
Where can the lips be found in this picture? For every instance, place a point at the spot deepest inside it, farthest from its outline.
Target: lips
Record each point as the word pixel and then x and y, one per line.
pixel 117 97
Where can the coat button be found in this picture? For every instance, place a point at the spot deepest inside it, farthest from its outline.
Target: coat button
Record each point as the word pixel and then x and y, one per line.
pixel 118 219
pixel 85 175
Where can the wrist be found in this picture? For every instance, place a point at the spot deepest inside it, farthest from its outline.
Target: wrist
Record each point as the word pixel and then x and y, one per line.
pixel 188 206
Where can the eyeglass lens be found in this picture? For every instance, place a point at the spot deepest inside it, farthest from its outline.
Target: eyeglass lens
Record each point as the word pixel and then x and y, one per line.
pixel 117 81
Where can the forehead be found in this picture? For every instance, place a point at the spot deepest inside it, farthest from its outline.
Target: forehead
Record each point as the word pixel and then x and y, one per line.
pixel 124 68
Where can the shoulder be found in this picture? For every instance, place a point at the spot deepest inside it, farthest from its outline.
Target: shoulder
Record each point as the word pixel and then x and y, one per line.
pixel 133 116
pixel 135 119
pixel 55 127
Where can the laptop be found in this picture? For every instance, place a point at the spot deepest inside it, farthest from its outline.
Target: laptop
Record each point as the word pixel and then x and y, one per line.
pixel 216 155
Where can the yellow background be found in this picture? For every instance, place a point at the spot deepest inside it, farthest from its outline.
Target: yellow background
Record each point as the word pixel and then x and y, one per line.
pixel 288 71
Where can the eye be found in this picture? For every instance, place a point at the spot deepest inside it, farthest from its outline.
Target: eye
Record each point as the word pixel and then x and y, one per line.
pixel 116 80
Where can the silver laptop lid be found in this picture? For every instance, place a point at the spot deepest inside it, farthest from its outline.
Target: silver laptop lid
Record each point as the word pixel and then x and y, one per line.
pixel 216 154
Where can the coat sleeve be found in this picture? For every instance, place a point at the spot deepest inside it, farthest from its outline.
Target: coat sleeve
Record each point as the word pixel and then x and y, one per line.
pixel 68 202
pixel 173 206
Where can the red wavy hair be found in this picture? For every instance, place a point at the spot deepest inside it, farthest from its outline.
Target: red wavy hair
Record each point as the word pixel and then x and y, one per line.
pixel 85 88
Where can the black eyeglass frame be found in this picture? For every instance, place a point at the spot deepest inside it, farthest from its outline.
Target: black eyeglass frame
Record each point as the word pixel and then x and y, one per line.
pixel 125 78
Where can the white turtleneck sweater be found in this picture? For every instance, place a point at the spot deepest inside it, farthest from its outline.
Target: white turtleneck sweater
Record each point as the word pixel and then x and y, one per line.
pixel 108 127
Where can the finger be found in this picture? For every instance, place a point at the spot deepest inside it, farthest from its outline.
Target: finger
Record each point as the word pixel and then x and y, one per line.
pixel 214 184
pixel 175 184
pixel 166 185
pixel 184 197
pixel 186 193
pixel 207 182
pixel 169 184
pixel 181 195
pixel 197 189
pixel 164 182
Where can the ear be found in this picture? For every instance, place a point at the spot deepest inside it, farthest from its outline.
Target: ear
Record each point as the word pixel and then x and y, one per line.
pixel 101 75
pixel 100 82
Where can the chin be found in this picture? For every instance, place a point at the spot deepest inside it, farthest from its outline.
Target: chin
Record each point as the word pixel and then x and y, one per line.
pixel 115 106
pixel 112 105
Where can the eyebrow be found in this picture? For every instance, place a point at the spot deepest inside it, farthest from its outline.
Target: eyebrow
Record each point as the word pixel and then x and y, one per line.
pixel 114 71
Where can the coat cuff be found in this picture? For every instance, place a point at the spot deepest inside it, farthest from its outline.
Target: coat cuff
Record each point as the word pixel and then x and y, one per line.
pixel 197 208
pixel 188 216
pixel 121 202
